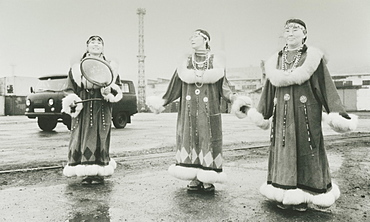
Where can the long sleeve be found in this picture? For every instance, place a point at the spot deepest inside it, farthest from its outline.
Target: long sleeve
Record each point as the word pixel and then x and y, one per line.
pixel 266 103
pixel 173 90
pixel 71 85
pixel 226 91
pixel 326 91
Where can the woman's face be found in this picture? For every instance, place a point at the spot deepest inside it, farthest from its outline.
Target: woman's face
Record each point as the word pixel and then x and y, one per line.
pixel 294 35
pixel 95 46
pixel 197 41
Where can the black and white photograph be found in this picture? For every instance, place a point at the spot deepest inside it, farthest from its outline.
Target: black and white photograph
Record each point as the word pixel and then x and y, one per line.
pixel 184 111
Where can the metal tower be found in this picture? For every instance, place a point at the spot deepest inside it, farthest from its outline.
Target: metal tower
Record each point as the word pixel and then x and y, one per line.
pixel 141 58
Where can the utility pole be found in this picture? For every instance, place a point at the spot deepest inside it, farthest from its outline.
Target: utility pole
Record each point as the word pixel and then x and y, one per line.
pixel 141 57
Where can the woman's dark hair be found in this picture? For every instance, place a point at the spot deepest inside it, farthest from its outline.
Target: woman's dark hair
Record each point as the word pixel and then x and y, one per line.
pixel 300 22
pixel 204 32
pixel 88 41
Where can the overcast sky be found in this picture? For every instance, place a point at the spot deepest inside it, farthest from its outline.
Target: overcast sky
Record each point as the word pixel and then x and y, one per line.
pixel 40 37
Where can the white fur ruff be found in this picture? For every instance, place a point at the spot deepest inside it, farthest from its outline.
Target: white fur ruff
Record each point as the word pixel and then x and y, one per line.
pixel 298 196
pixel 340 124
pixel 238 103
pixel 258 119
pixel 110 97
pixel 69 101
pixel 155 104
pixel 189 173
pixel 208 76
pixel 90 170
pixel 300 75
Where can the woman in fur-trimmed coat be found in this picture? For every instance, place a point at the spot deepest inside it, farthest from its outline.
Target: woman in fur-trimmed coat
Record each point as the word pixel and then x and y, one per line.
pixel 200 83
pixel 297 89
pixel 88 154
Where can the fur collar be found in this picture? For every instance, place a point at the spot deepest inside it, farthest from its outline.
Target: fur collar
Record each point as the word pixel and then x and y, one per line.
pixel 300 75
pixel 209 76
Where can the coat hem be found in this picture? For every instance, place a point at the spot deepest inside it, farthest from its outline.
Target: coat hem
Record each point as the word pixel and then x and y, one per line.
pixel 90 170
pixel 298 196
pixel 191 173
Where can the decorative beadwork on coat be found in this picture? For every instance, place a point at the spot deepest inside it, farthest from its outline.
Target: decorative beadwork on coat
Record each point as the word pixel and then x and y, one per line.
pixel 286 99
pixel 272 137
pixel 303 100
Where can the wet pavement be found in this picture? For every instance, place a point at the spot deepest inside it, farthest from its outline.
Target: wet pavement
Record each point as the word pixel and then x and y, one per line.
pixel 142 190
pixel 144 195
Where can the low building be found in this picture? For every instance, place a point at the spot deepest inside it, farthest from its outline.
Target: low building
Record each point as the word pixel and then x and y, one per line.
pixel 13 93
pixel 354 90
pixel 247 81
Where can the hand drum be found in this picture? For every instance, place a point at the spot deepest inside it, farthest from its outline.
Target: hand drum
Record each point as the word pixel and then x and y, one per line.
pixel 96 71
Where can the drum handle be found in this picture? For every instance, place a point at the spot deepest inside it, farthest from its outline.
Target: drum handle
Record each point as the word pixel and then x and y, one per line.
pixel 73 108
pixel 87 100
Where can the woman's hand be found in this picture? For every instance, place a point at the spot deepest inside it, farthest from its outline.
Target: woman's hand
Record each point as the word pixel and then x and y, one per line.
pixel 105 90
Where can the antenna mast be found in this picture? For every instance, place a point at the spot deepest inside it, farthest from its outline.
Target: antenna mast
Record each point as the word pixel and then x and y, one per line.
pixel 141 57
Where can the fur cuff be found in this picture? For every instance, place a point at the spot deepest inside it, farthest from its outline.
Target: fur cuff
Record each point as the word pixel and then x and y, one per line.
pixel 258 119
pixel 340 124
pixel 110 97
pixel 68 102
pixel 155 104
pixel 238 103
pixel 90 170
pixel 298 196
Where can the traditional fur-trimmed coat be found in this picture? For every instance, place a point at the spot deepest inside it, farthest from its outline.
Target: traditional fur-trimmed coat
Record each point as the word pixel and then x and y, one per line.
pixel 199 126
pixel 298 169
pixel 91 126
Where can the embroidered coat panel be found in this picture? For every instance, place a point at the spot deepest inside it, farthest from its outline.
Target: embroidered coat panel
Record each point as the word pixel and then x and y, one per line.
pixel 199 126
pixel 91 129
pixel 297 157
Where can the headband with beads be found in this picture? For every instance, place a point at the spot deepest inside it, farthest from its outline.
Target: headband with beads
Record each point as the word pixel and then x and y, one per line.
pixel 203 35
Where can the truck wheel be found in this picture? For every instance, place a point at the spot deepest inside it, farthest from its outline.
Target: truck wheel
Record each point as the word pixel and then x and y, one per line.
pixel 47 124
pixel 67 120
pixel 120 120
pixel 68 125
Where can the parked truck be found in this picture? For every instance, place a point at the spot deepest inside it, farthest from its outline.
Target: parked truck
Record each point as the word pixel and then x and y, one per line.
pixel 45 103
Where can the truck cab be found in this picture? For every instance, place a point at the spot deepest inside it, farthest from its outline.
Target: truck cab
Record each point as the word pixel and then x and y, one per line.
pixel 45 103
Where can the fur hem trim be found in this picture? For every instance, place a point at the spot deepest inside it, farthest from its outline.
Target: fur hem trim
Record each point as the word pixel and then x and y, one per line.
pixel 239 102
pixel 210 176
pixel 298 196
pixel 300 75
pixel 258 119
pixel 209 75
pixel 190 173
pixel 69 101
pixel 340 124
pixel 155 104
pixel 183 173
pixel 90 170
pixel 110 97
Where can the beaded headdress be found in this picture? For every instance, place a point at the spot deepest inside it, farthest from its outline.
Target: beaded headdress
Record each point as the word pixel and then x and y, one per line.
pixel 204 34
pixel 298 21
pixel 95 37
